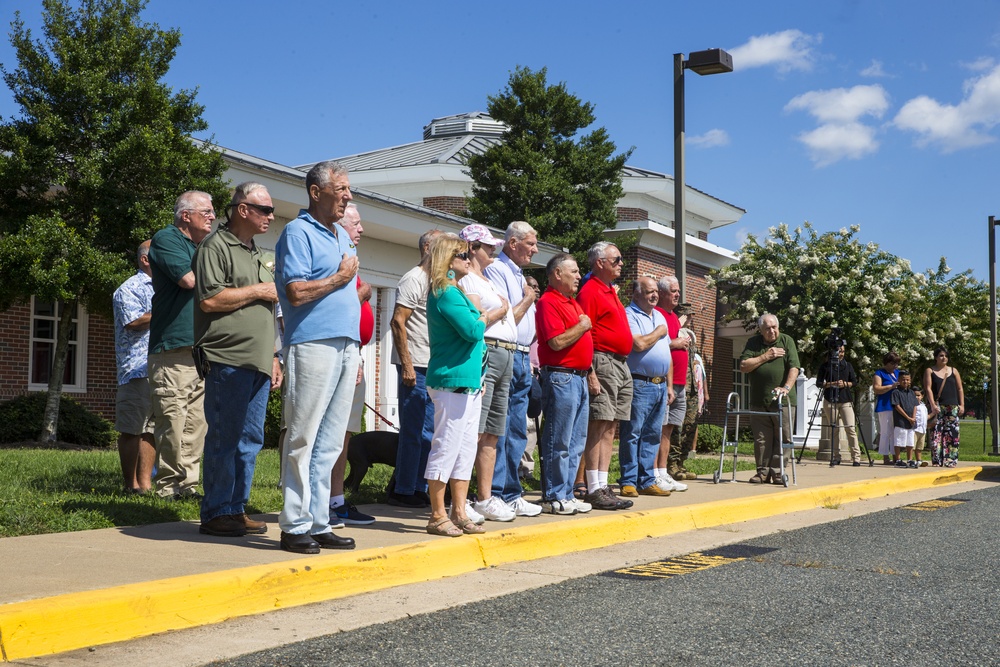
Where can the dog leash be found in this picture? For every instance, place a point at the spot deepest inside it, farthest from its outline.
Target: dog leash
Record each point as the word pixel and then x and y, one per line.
pixel 387 422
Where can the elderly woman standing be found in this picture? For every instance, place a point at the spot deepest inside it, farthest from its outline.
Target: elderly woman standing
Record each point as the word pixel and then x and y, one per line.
pixel 883 384
pixel 454 383
pixel 943 387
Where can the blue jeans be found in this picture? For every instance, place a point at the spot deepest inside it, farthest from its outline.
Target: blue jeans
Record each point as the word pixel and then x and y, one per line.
pixel 235 405
pixel 416 429
pixel 639 437
pixel 510 447
pixel 566 404
pixel 320 376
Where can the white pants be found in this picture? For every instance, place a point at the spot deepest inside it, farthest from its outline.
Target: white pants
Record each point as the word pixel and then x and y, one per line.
pixel 885 438
pixel 456 432
pixel 320 377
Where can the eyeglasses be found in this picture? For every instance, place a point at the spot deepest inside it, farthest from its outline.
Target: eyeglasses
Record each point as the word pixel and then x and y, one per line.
pixel 204 211
pixel 266 210
pixel 462 255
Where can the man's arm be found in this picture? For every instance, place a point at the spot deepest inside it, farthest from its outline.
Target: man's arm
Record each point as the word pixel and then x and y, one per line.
pixel 364 291
pixel 140 323
pixel 770 354
pixel 642 342
pixel 305 291
pixel 524 304
pixel 234 298
pixel 571 335
pixel 400 316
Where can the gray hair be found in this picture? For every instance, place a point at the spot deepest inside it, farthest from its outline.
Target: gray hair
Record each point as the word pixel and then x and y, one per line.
pixel 142 251
pixel 425 240
pixel 187 202
pixel 597 251
pixel 558 260
pixel 244 190
pixel 518 230
pixel 323 172
pixel 760 320
pixel 666 282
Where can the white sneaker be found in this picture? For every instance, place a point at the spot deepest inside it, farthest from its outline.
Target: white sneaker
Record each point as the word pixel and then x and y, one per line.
pixel 564 507
pixel 494 509
pixel 522 507
pixel 580 506
pixel 473 515
pixel 668 483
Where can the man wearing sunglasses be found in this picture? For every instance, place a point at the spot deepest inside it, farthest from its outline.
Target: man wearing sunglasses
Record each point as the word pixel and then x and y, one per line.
pixel 234 334
pixel 177 390
pixel 315 271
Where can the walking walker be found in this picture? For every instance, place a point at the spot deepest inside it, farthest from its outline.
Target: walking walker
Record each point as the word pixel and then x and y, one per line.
pixel 733 409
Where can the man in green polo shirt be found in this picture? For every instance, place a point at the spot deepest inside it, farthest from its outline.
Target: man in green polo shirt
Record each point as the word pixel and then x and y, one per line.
pixel 772 362
pixel 177 391
pixel 234 334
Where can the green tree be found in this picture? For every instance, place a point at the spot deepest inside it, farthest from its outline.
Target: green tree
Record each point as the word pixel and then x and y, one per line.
pixel 813 282
pixel 92 164
pixel 566 188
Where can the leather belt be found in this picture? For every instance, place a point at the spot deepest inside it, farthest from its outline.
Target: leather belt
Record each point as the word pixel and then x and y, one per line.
pixel 562 369
pixel 660 379
pixel 493 342
pixel 617 357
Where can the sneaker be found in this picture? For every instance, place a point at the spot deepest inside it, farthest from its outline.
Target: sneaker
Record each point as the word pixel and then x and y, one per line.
pixel 668 483
pixel 494 509
pixel 628 491
pixel 923 464
pixel 563 507
pixel 622 504
pixel 912 464
pixel 758 479
pixel 598 500
pixel 950 464
pixel 522 507
pixel 350 516
pixel 580 506
pixel 473 515
pixel 654 490
pixel 900 463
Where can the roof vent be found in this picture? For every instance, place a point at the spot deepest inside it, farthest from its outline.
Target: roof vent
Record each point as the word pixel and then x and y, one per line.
pixel 474 123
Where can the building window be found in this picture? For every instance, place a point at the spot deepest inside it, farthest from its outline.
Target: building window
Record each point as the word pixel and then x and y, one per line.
pixel 44 329
pixel 741 385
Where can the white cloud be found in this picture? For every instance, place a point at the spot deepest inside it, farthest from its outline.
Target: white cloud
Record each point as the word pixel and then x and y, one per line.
pixel 710 139
pixel 838 141
pixel 842 105
pixel 980 64
pixel 787 50
pixel 840 134
pixel 952 127
pixel 875 70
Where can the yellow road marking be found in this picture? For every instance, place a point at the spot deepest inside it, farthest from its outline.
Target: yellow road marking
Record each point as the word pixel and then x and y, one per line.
pixel 931 505
pixel 673 567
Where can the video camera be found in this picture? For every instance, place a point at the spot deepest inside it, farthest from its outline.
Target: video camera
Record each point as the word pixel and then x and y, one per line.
pixel 834 342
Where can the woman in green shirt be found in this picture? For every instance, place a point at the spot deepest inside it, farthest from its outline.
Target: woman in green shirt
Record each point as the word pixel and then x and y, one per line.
pixel 454 383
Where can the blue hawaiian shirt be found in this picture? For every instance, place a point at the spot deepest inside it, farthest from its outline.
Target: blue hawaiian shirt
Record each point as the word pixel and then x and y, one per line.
pixel 131 301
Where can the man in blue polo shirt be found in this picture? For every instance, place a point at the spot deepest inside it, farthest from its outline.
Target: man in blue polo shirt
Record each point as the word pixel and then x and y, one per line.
pixel 649 365
pixel 316 265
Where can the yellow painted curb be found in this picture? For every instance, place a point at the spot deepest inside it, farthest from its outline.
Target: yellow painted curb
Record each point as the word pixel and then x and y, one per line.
pixel 77 620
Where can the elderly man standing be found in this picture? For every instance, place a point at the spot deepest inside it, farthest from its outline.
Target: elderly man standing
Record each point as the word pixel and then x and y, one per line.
pixel 649 364
pixel 132 303
pixel 234 334
pixel 411 351
pixel 772 362
pixel 670 462
pixel 609 380
pixel 520 245
pixel 565 352
pixel 316 269
pixel 177 390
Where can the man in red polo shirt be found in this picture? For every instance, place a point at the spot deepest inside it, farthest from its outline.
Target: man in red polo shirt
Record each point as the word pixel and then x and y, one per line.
pixel 609 381
pixel 565 353
pixel 670 464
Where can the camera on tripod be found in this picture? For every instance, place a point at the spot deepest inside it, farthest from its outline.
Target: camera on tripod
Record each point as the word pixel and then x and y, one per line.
pixel 834 342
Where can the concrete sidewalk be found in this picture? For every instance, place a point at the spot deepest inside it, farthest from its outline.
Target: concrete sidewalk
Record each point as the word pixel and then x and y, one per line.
pixel 73 590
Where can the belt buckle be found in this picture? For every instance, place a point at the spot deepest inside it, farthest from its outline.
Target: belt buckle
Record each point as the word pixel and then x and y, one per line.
pixel 657 380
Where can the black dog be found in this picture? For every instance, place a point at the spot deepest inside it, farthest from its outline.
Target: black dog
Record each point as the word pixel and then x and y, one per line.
pixel 364 449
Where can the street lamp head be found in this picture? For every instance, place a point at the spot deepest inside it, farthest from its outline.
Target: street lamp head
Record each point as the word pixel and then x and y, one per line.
pixel 712 61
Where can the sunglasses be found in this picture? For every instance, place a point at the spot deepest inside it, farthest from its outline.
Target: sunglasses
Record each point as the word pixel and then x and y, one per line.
pixel 266 210
pixel 616 261
pixel 462 255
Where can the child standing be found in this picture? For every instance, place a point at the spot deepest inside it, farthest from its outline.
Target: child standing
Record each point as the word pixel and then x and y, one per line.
pixel 904 417
pixel 919 428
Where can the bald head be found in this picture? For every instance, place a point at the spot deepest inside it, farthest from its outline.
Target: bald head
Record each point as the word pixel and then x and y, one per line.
pixel 645 293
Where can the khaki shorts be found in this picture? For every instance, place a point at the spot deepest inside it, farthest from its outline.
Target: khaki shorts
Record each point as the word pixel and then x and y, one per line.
pixel 134 407
pixel 614 403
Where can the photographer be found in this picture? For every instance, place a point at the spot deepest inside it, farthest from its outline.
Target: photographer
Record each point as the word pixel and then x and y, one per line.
pixel 837 378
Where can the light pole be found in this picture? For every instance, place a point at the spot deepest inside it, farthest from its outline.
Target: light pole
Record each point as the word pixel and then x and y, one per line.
pixel 712 61
pixel 994 394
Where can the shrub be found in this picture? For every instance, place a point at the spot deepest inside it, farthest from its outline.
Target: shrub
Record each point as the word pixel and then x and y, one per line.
pixel 709 438
pixel 21 420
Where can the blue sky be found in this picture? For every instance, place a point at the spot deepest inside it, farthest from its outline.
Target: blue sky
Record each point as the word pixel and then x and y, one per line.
pixel 879 113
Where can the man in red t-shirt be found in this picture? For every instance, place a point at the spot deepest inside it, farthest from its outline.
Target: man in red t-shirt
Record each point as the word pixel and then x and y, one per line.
pixel 609 381
pixel 342 512
pixel 670 463
pixel 565 353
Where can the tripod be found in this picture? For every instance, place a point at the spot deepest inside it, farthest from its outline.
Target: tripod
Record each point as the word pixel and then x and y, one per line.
pixel 834 370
